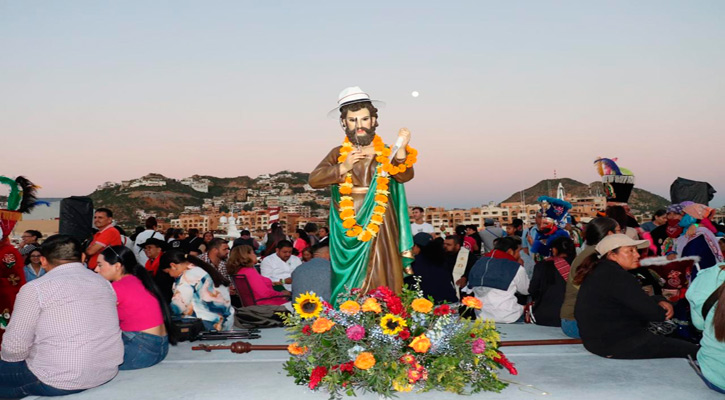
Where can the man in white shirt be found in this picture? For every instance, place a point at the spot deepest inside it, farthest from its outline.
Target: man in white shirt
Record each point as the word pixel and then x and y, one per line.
pixel 279 266
pixel 418 224
pixel 64 336
pixel 496 278
pixel 150 231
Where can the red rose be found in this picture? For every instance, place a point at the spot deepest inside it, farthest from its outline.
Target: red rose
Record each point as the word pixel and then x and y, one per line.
pixel 404 334
pixel 442 310
pixel 316 377
pixel 307 330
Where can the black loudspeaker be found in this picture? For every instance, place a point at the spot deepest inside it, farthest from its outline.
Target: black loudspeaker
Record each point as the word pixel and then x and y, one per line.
pixel 76 217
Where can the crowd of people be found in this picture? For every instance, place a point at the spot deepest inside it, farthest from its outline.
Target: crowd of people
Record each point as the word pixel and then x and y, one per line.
pixel 125 293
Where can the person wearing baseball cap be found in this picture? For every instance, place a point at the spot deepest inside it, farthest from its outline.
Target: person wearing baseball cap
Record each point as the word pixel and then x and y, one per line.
pixel 612 310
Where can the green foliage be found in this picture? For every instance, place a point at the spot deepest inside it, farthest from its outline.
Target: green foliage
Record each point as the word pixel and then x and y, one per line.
pixel 434 351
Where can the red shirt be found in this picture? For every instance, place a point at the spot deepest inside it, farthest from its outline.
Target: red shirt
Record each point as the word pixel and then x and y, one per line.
pixel 107 236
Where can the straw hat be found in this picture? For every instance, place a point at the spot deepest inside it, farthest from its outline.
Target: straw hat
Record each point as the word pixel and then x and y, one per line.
pixel 613 242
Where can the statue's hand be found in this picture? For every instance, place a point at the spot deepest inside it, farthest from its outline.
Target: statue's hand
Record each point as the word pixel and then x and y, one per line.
pixel 404 134
pixel 351 159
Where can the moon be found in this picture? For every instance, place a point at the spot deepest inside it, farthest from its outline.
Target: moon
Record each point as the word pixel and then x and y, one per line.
pixel 415 93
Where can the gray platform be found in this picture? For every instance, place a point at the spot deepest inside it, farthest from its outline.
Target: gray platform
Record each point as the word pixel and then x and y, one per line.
pixel 556 372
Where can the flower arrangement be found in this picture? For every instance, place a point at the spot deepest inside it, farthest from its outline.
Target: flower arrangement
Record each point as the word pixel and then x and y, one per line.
pixel 384 343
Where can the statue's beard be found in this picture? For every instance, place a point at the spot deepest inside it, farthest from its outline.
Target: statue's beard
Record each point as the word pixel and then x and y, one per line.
pixel 362 140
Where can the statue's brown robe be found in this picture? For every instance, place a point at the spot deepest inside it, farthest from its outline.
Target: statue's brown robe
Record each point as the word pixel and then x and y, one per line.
pixel 385 267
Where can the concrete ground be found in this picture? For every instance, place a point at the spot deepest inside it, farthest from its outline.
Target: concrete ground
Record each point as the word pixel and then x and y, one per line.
pixel 556 372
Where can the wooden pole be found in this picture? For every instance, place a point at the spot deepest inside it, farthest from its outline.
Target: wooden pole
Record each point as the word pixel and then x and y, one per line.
pixel 245 347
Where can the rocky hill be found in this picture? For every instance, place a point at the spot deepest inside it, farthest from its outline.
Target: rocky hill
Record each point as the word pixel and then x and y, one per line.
pixel 171 198
pixel 640 200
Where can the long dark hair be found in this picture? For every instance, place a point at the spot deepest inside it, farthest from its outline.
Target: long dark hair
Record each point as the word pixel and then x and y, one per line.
pixel 718 320
pixel 273 238
pixel 124 256
pixel 303 235
pixel 589 264
pixel 179 257
pixel 597 230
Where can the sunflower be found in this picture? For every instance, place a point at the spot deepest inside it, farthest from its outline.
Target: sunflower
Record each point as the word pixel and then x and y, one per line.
pixel 308 305
pixel 392 324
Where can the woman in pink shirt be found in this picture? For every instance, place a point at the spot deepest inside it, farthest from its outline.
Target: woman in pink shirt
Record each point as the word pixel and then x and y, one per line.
pixel 241 262
pixel 143 315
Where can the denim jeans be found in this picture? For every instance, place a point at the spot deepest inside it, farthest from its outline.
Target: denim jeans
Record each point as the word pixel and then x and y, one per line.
pixel 17 381
pixel 142 350
pixel 570 328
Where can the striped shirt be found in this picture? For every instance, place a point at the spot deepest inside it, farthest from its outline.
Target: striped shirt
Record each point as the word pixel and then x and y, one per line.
pixel 65 327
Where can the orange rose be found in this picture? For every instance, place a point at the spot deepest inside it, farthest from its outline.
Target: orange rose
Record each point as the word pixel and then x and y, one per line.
pixel 420 344
pixel 371 304
pixel 472 302
pixel 422 305
pixel 296 350
pixel 365 360
pixel 350 307
pixel 322 325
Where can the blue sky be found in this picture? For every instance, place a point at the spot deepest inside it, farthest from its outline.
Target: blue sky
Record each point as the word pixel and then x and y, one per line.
pixel 92 91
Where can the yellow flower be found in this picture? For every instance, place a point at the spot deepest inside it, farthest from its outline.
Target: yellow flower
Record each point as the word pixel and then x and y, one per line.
pixel 350 307
pixel 296 350
pixel 308 305
pixel 392 324
pixel 322 325
pixel 365 360
pixel 422 305
pixel 420 344
pixel 472 302
pixel 372 304
pixel 402 387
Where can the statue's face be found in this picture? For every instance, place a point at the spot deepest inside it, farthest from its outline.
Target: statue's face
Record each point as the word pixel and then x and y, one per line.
pixel 359 127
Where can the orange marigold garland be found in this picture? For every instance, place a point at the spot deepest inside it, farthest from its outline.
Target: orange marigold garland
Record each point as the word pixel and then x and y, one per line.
pixel 385 168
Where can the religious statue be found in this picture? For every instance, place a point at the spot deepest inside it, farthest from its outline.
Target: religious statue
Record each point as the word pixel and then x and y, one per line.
pixel 370 237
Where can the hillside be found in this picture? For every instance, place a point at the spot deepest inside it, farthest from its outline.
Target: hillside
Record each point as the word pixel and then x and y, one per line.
pixel 641 199
pixel 174 196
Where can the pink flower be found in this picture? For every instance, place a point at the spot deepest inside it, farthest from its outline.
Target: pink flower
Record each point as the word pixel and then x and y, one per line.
pixel 478 346
pixel 355 332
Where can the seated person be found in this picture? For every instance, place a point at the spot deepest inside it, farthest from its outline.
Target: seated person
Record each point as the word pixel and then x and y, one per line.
pixel 613 311
pixel 143 314
pixel 279 266
pixel 548 284
pixel 711 357
pixel 314 275
pixel 496 278
pixel 199 291
pixel 241 262
pixel 435 279
pixel 69 306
